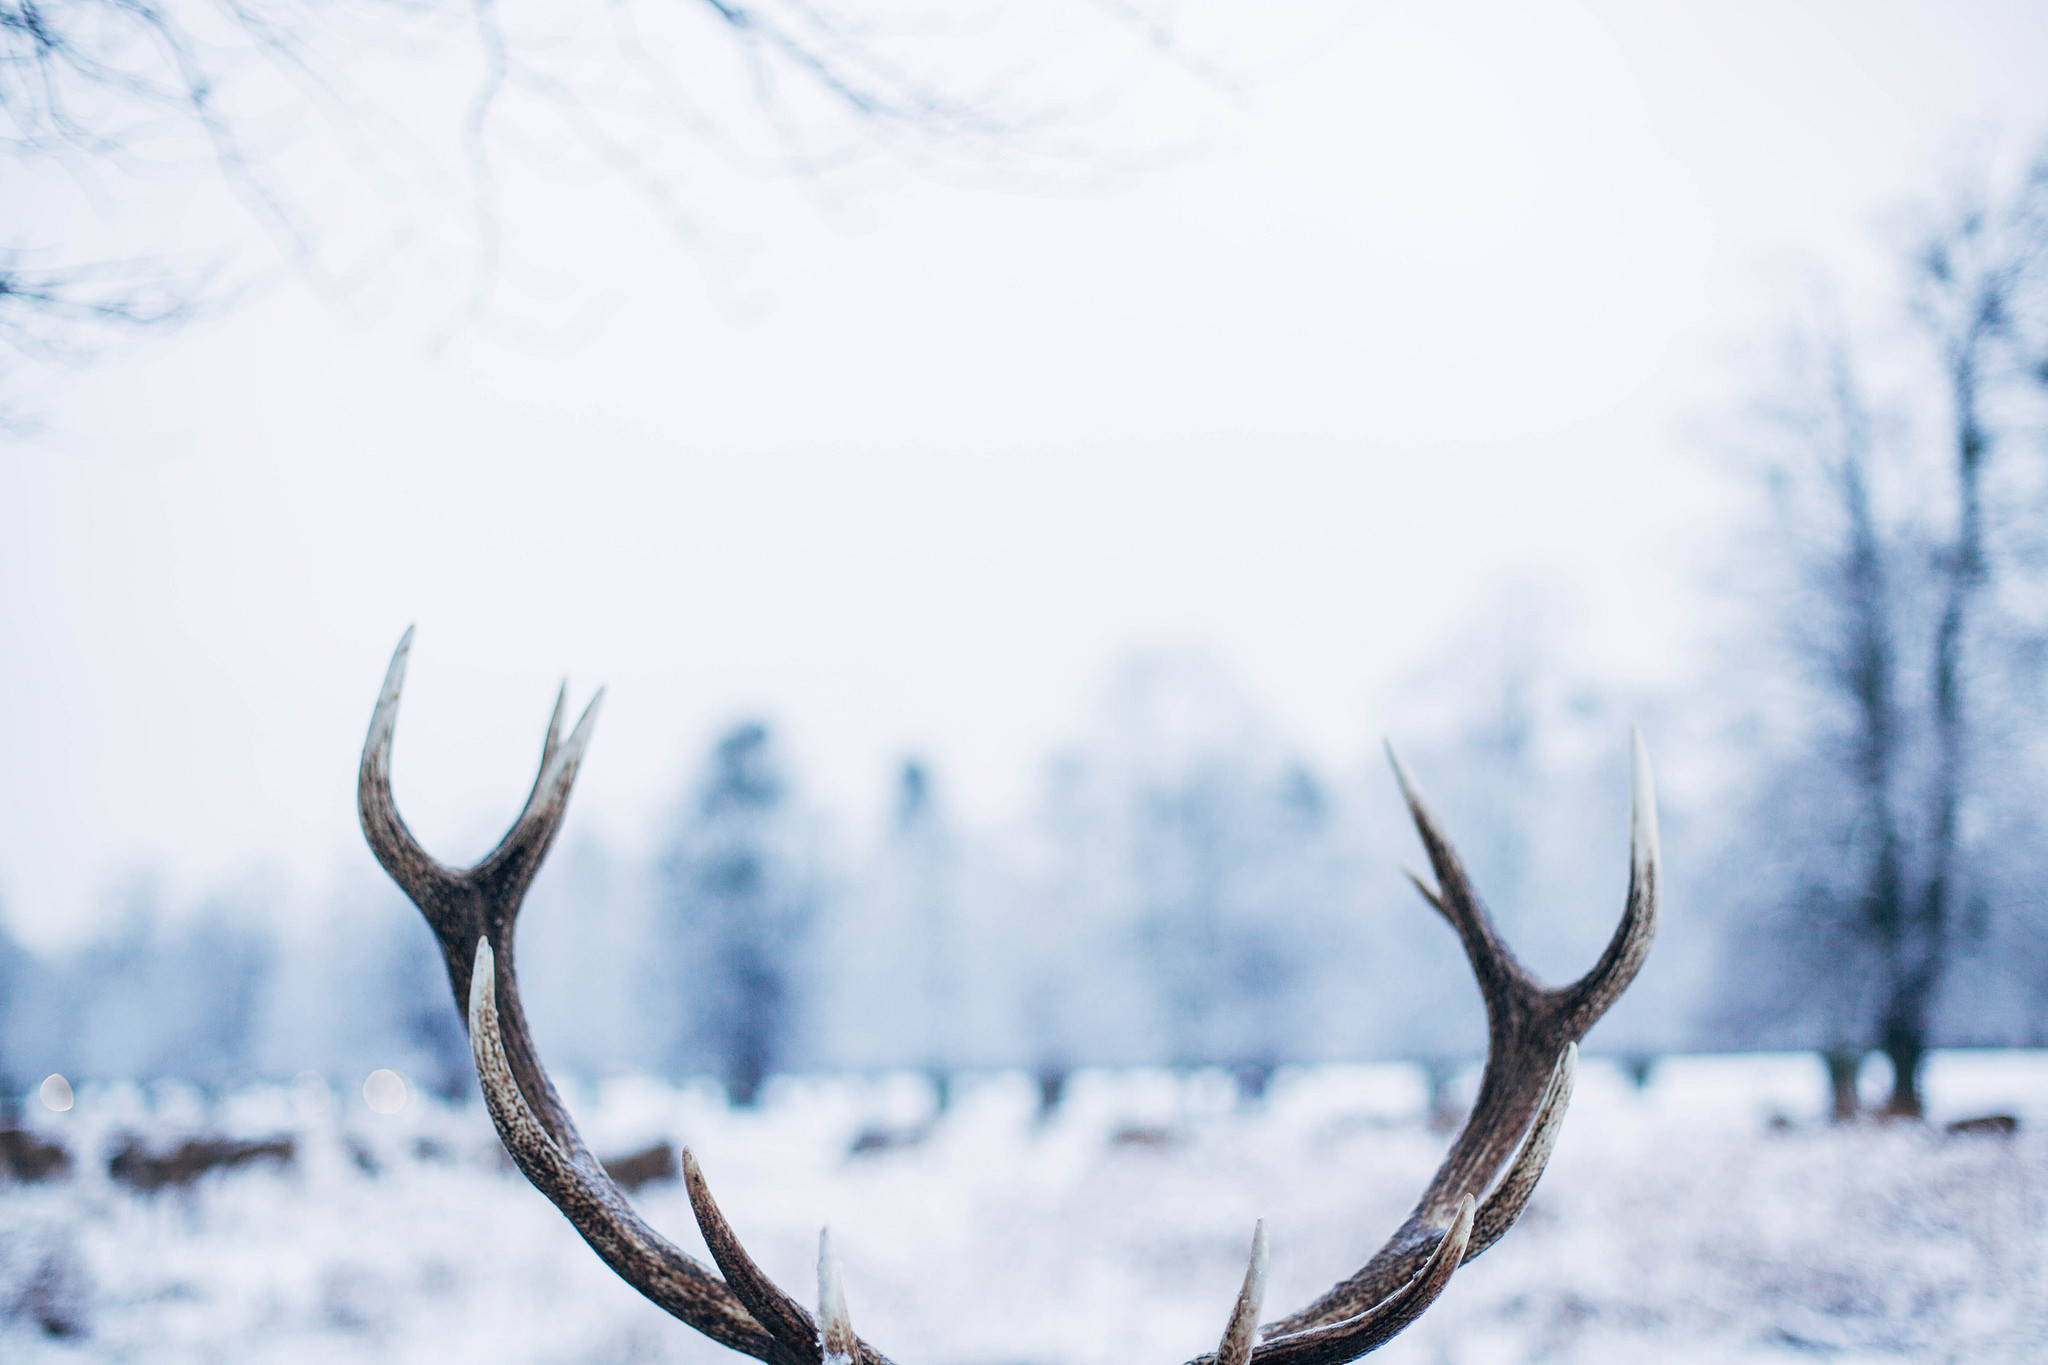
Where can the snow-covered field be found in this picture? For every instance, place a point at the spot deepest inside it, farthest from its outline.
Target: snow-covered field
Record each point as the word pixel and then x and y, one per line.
pixel 1677 1224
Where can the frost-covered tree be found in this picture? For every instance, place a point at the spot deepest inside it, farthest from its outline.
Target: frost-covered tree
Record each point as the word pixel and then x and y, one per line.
pixel 212 983
pixel 1899 571
pixel 1193 903
pixel 1825 845
pixel 154 996
pixel 896 943
pixel 410 983
pixel 922 863
pixel 362 987
pixel 738 900
pixel 587 914
pixel 101 1006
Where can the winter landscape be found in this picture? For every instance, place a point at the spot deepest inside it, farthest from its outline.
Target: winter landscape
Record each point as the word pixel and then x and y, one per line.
pixel 1711 1215
pixel 1036 622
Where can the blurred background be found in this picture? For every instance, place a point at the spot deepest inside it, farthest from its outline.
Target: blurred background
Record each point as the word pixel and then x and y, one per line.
pixel 1010 465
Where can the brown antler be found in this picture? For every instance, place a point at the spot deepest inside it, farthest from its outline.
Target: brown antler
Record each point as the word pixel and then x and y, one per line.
pixel 1532 1036
pixel 1531 1052
pixel 472 913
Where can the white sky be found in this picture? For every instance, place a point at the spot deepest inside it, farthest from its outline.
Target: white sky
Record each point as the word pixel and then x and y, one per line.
pixel 1437 310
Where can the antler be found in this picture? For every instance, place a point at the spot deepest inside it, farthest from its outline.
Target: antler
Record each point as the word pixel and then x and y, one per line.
pixel 472 912
pixel 1531 1053
pixel 1532 1036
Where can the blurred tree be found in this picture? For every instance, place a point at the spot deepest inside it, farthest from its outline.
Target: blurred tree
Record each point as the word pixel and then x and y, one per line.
pixel 212 983
pixel 919 896
pixel 1980 298
pixel 1903 569
pixel 432 1039
pixel 1825 847
pixel 154 997
pixel 15 965
pixel 104 1008
pixel 1223 858
pixel 738 903
pixel 1191 854
pixel 586 916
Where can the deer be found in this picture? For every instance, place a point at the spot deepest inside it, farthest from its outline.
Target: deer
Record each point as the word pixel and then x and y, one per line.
pixel 1481 1188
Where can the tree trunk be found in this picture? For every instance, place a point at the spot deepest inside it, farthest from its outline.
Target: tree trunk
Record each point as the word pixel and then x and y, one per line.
pixel 1923 944
pixel 1843 1065
pixel 1870 673
pixel 1906 1052
pixel 1052 1088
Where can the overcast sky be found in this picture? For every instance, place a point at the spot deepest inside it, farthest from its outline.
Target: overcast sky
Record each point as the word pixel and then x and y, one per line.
pixel 1434 307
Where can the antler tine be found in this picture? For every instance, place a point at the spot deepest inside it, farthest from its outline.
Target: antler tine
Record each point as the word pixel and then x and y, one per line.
pixel 594 1205
pixel 1509 1090
pixel 835 1338
pixel 513 863
pixel 1428 893
pixel 548 746
pixel 1236 1348
pixel 415 870
pixel 1499 974
pixel 784 1318
pixel 1586 999
pixel 1530 1058
pixel 1366 1332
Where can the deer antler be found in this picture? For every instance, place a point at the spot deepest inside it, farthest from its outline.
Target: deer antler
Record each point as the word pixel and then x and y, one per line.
pixel 1532 1037
pixel 1531 1053
pixel 472 912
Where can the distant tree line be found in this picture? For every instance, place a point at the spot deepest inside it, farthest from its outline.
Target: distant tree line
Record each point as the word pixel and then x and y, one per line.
pixel 1191 892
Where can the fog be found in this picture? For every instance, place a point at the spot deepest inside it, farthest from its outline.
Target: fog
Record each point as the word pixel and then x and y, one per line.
pixel 1439 301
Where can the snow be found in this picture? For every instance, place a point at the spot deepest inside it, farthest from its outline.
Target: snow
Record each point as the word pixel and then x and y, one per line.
pixel 1709 1217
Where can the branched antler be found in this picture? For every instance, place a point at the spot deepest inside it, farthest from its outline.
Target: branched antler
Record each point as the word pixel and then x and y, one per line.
pixel 1476 1195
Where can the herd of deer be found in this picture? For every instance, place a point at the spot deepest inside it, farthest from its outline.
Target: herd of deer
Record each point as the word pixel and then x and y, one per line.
pixel 1475 1196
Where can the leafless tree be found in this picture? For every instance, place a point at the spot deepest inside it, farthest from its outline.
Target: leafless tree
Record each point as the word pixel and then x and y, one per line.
pixel 1902 568
pixel 1981 289
pixel 1826 846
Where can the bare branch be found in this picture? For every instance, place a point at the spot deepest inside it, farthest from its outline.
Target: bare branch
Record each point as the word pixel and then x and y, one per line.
pixel 133 87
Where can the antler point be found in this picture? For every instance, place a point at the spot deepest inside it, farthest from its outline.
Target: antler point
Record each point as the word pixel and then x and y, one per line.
pixel 835 1325
pixel 1642 802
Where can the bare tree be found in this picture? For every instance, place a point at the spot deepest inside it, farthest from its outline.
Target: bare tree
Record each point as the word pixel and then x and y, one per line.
pixel 1981 284
pixel 1899 568
pixel 1826 850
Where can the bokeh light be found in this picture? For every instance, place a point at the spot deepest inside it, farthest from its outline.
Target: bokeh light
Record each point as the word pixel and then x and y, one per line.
pixel 56 1093
pixel 385 1091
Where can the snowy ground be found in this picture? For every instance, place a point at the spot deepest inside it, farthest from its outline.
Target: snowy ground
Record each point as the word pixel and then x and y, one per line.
pixel 1678 1224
